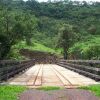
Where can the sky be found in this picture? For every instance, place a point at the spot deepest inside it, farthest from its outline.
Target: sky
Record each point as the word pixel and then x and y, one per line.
pixel 72 0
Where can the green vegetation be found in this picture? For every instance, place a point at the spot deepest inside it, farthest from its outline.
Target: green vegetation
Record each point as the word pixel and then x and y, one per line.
pixel 66 38
pixel 35 46
pixel 90 49
pixel 10 92
pixel 43 22
pixel 94 88
pixel 49 88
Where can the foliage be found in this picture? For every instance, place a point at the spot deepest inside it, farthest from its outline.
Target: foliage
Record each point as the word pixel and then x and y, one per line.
pixel 10 92
pixel 30 24
pixel 23 21
pixel 35 46
pixel 88 49
pixel 13 28
pixel 66 38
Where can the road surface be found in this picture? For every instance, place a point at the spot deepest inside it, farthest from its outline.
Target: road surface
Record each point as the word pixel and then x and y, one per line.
pixel 51 75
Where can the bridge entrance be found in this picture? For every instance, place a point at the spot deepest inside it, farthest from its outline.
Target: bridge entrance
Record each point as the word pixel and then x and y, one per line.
pixel 50 75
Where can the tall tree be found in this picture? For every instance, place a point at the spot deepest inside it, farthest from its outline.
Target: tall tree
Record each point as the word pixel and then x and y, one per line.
pixel 30 23
pixel 66 38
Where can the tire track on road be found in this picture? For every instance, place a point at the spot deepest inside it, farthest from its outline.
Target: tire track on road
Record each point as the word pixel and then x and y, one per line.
pixel 62 78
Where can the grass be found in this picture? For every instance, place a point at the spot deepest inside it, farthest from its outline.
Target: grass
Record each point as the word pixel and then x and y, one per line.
pixel 88 49
pixel 94 88
pixel 49 88
pixel 8 92
pixel 34 46
pixel 14 53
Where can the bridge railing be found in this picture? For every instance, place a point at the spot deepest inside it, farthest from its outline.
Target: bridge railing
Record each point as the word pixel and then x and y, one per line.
pixel 9 68
pixel 89 68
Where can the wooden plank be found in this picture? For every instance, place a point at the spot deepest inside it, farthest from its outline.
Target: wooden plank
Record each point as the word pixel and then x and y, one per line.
pixel 32 80
pixel 64 80
pixel 38 81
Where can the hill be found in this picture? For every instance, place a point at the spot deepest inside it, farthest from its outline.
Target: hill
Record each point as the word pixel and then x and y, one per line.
pixel 15 54
pixel 23 21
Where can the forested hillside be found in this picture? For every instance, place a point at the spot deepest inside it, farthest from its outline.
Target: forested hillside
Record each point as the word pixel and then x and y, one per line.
pixel 65 27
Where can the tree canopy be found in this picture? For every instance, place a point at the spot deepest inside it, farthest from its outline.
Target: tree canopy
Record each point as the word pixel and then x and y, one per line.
pixel 46 22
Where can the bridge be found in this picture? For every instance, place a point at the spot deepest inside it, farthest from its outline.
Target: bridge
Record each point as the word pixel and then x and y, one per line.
pixel 64 73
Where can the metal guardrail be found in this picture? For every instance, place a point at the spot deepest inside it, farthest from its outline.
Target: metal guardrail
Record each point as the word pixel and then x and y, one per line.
pixel 10 68
pixel 89 68
pixel 91 63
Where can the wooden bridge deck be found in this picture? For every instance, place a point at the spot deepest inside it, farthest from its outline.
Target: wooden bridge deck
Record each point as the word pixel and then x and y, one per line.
pixel 50 75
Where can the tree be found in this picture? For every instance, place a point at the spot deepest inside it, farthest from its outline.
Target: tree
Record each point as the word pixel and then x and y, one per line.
pixel 30 25
pixel 8 32
pixel 66 38
pixel 11 30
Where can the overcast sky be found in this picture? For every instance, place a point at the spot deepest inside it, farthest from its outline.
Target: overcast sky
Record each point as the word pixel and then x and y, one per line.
pixel 72 0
